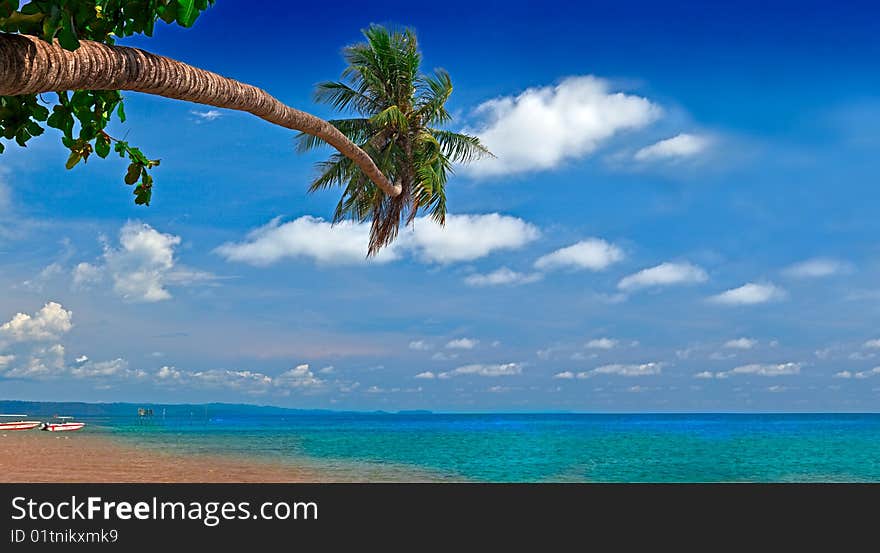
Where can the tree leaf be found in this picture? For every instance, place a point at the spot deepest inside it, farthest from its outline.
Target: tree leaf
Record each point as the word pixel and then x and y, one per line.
pixel 133 174
pixel 102 146
pixel 187 13
pixel 74 158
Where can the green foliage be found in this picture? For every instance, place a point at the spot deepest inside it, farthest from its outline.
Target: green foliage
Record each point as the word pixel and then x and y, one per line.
pixel 399 112
pixel 83 116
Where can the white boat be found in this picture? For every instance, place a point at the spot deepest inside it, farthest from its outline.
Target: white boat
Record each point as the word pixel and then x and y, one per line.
pixel 19 424
pixel 62 426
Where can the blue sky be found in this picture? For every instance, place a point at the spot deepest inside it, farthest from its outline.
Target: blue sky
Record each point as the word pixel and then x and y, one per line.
pixel 681 218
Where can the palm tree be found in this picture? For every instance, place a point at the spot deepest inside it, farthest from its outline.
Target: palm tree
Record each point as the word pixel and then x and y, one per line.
pixel 399 114
pixel 30 65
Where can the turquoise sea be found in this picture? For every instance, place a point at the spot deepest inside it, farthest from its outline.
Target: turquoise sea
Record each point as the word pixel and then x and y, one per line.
pixel 519 447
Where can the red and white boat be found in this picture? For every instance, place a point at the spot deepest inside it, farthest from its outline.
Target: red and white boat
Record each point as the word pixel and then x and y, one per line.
pixel 17 425
pixel 62 426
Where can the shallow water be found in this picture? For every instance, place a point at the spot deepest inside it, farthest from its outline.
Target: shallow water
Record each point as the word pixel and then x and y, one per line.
pixel 533 447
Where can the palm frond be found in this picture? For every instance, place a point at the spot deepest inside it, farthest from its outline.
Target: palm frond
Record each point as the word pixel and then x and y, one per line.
pixel 434 93
pixel 398 111
pixel 460 148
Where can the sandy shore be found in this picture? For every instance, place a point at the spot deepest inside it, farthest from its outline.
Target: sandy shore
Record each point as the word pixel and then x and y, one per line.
pixel 34 456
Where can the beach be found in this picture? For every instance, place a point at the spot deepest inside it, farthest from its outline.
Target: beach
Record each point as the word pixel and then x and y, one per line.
pixel 33 456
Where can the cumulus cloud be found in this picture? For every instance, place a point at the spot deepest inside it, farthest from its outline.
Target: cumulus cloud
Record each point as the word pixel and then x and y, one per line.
pixel 665 274
pixel 592 254
pixel 678 147
pixel 463 238
pixel 467 237
pixel 758 369
pixel 43 362
pixel 564 375
pixel 543 127
pixel 101 369
pixel 420 345
pixel 298 377
pixel 142 267
pixel 246 381
pixel 477 369
pixel 462 343
pixel 860 374
pixel 704 374
pixel 86 274
pixel 48 323
pixel 872 344
pixel 817 267
pixel 601 343
pixel 427 375
pixel 344 243
pixel 630 370
pixel 741 343
pixel 749 294
pixel 501 277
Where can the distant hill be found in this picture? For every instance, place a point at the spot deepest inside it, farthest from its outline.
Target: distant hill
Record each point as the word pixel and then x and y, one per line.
pixel 81 409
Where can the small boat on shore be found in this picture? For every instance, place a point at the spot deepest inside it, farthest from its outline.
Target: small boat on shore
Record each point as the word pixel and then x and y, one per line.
pixel 18 424
pixel 66 425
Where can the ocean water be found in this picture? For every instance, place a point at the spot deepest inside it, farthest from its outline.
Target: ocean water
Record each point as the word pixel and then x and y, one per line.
pixel 530 447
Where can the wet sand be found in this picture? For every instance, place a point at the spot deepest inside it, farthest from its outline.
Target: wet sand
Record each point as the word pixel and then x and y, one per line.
pixel 33 456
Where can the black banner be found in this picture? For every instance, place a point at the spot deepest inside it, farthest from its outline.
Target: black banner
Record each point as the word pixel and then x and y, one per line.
pixel 231 517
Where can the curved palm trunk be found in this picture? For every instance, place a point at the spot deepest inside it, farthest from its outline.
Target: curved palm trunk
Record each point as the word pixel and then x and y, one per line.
pixel 29 65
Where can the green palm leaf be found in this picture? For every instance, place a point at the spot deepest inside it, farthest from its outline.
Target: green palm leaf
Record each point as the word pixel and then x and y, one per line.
pixel 398 111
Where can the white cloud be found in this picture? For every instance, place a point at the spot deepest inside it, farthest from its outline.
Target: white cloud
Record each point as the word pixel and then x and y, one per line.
pixel 504 369
pixel 749 294
pixel 169 373
pixel 142 267
pixel 601 343
pixel 344 243
pixel 85 274
pixel 592 254
pixel 678 147
pixel 298 377
pixel 427 375
pixel 757 369
pixel 817 267
pixel 500 277
pixel 101 369
pixel 873 344
pixel 462 343
pixel 867 374
pixel 564 375
pixel 665 274
pixel 704 374
pixel 543 127
pixel 467 237
pixel 206 115
pixel 46 324
pixel 43 362
pixel 250 382
pixel 843 374
pixel 420 345
pixel 741 343
pixel 463 238
pixel 631 370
